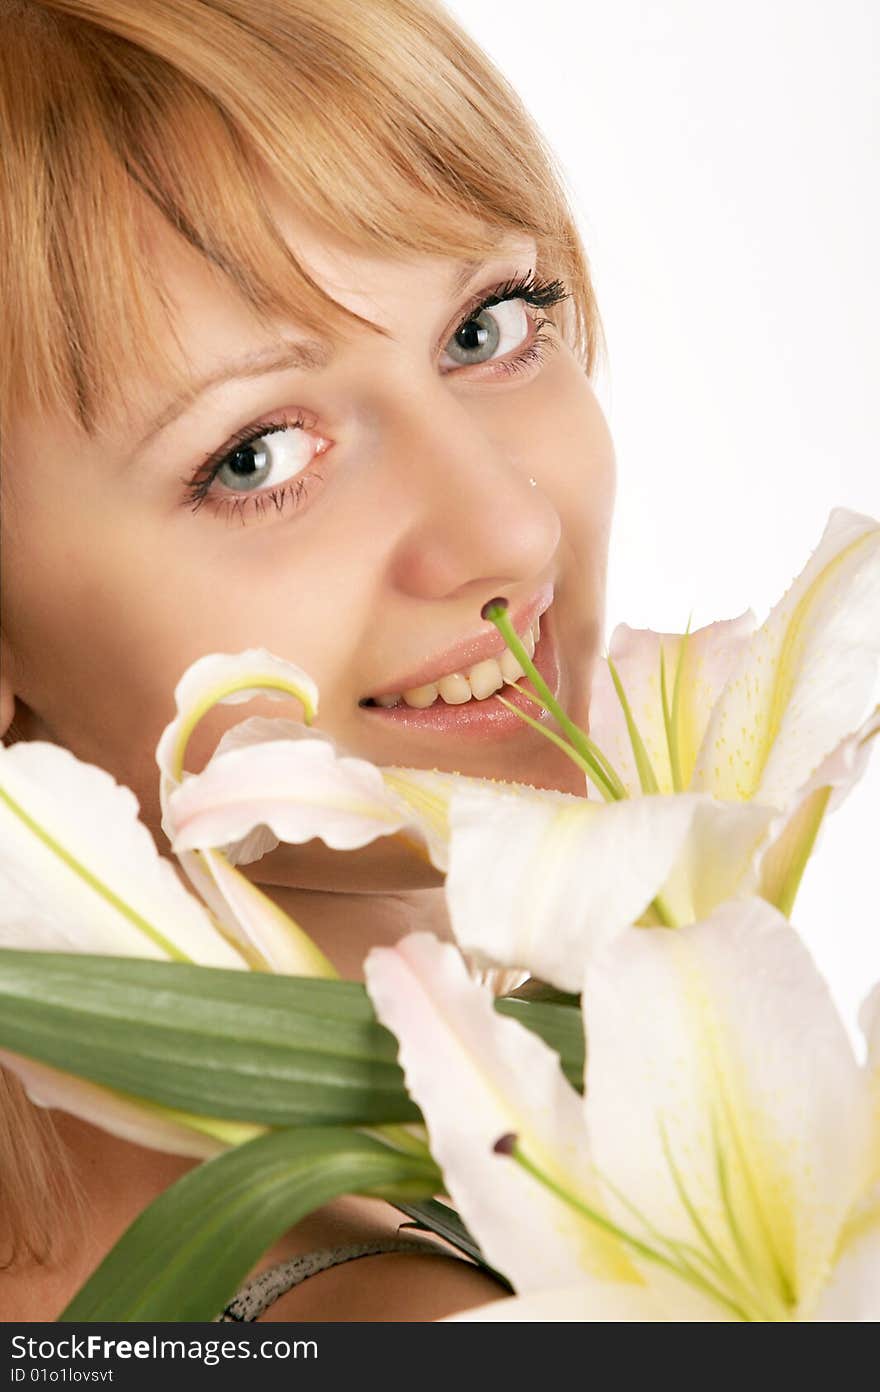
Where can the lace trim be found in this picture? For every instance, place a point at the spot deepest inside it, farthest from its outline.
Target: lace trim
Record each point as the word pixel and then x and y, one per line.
pixel 256 1297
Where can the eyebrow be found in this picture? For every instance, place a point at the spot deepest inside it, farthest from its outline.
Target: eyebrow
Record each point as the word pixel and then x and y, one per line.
pixel 307 355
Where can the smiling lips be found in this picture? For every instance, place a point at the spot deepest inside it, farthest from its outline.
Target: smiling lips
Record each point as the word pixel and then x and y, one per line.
pixel 475 670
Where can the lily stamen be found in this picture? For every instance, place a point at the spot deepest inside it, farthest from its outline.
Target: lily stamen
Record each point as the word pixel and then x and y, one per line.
pixel 495 611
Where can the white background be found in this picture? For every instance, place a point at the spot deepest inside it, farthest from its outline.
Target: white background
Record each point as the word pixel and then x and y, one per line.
pixel 722 162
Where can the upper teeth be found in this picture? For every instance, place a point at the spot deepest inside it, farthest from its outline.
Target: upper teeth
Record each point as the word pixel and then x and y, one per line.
pixel 479 681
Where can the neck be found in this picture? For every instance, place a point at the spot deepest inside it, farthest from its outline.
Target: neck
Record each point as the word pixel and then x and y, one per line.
pixel 346 924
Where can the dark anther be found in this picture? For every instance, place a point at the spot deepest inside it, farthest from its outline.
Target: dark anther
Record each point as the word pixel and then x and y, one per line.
pixel 488 609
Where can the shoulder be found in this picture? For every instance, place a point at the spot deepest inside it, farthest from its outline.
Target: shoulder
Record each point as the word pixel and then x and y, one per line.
pixel 388 1286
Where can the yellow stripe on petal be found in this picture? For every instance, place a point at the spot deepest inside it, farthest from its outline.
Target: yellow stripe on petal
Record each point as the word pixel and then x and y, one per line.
pixel 807 676
pixel 233 678
pixel 721 1082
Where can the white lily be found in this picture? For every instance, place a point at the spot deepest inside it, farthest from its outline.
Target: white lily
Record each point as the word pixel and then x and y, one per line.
pixel 725 1162
pixel 269 938
pixel 781 716
pixel 132 1118
pixel 535 852
pixel 80 873
pixel 532 853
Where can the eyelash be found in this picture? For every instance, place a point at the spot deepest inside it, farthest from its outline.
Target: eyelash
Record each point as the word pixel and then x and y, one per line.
pixel 539 293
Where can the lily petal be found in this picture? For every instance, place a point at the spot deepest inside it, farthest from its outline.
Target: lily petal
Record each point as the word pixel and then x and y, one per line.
pixel 299 789
pixel 476 1077
pixel 792 836
pixel 869 1020
pixel 720 1077
pixel 143 1123
pixel 80 873
pixel 263 730
pixel 258 730
pixel 707 657
pixel 852 1296
pixel 428 794
pixel 718 860
pixel 808 677
pixel 538 879
pixel 593 1302
pixel 229 678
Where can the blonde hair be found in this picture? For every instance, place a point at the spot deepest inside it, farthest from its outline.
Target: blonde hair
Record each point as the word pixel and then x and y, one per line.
pixel 380 119
pixel 37 1186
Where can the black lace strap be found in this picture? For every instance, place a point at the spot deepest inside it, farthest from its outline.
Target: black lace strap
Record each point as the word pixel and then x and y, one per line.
pixel 256 1297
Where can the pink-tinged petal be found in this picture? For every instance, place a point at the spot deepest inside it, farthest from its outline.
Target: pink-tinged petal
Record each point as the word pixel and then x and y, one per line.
pixel 808 677
pixel 228 679
pixel 299 789
pixel 537 879
pixel 80 873
pixel 256 730
pixel 253 847
pixel 852 1295
pixel 716 1049
pixel 159 1128
pixel 262 729
pixel 477 1076
pixel 707 658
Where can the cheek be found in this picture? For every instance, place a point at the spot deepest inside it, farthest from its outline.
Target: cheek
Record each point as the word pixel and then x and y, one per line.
pixel 564 441
pixel 569 450
pixel 99 652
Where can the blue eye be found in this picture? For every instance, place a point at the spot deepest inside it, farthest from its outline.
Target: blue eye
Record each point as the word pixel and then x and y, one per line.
pixel 270 460
pixel 267 459
pixel 268 464
pixel 491 331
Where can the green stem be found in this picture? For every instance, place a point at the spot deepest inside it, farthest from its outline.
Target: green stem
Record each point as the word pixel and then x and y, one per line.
pixel 566 748
pixel 647 776
pixel 496 612
pixel 644 1249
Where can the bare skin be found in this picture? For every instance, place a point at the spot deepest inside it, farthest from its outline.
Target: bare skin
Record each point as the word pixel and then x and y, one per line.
pixel 419 509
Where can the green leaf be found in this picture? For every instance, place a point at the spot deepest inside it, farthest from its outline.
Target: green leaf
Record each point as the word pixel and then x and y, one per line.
pixel 430 1215
pixel 243 1046
pixel 534 989
pixel 276 1050
pixel 187 1254
pixel 560 1026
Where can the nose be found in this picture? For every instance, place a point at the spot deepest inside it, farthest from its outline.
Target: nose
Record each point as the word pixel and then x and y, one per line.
pixel 471 520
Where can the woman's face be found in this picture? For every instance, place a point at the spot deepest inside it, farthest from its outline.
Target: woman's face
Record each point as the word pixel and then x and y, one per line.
pixel 359 539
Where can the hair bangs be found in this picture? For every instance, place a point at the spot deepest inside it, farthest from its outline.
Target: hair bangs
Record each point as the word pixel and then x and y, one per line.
pixel 380 122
